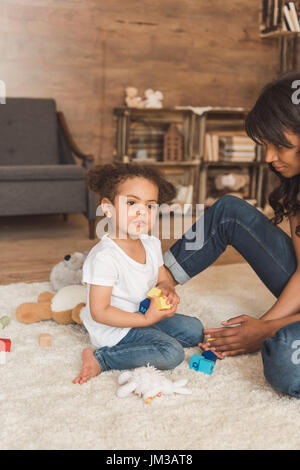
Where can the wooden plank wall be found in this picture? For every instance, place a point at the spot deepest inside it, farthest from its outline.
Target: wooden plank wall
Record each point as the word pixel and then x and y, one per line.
pixel 84 53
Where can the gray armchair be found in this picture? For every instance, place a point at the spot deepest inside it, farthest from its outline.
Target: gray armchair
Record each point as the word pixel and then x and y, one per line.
pixel 38 173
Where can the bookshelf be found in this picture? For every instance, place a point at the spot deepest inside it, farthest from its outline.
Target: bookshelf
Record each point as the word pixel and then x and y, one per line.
pixel 194 170
pixel 242 161
pixel 279 20
pixel 142 132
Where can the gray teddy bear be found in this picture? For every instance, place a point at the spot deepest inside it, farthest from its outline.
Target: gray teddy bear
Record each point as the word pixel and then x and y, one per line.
pixel 69 271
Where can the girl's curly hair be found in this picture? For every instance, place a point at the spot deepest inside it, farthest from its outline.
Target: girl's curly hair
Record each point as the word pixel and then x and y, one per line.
pixel 105 180
pixel 273 113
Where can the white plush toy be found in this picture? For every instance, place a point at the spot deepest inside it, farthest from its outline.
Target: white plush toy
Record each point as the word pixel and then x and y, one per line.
pixel 148 382
pixel 153 99
pixel 69 271
pixel 232 181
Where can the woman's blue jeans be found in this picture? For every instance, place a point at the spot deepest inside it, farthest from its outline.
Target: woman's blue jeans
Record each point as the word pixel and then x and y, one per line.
pixel 269 251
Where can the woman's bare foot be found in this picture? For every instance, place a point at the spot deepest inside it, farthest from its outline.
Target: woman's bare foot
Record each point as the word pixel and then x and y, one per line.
pixel 90 367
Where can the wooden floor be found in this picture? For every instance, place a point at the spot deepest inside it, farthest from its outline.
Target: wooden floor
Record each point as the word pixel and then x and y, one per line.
pixel 31 245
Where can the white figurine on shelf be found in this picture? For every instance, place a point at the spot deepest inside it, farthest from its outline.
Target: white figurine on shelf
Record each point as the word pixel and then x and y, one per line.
pixel 153 99
pixel 148 382
pixel 132 99
pixel 232 181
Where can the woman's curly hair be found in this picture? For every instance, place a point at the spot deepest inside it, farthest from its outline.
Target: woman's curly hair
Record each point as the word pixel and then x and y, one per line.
pixel 105 180
pixel 273 114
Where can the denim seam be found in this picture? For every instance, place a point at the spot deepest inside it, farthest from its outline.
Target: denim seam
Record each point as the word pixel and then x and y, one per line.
pixel 101 361
pixel 249 231
pixel 188 345
pixel 175 267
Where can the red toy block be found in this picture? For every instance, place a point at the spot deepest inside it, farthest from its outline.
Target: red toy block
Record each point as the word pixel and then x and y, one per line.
pixel 5 344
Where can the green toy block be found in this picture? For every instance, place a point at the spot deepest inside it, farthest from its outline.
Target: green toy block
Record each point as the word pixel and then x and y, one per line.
pixel 4 321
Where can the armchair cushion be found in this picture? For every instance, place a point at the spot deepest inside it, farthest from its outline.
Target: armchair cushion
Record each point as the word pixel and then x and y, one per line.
pixel 28 132
pixel 41 172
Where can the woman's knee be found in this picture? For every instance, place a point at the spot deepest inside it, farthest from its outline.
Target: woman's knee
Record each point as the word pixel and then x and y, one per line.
pixel 281 360
pixel 230 201
pixel 233 206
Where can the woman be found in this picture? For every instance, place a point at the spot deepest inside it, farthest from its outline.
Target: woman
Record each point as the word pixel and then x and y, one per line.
pixel 274 122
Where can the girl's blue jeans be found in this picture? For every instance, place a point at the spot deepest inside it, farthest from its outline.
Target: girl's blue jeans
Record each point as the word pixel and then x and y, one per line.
pixel 160 345
pixel 269 251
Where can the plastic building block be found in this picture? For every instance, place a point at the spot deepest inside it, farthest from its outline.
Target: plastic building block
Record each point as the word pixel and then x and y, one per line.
pixel 154 292
pixel 144 305
pixel 160 301
pixel 161 304
pixel 206 366
pixel 4 321
pixel 45 340
pixel 209 355
pixel 5 345
pixel 194 361
pixel 199 363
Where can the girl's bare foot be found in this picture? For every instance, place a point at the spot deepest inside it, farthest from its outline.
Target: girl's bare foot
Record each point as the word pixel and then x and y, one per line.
pixel 90 367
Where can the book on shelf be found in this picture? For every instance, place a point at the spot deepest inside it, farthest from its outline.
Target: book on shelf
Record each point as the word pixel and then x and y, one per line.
pixel 229 148
pixel 277 15
pixel 271 16
pixel 295 16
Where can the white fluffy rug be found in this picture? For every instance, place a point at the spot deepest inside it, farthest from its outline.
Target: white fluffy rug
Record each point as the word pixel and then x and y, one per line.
pixel 234 408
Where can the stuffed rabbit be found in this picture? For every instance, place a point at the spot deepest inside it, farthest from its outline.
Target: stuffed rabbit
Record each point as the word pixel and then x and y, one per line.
pixel 149 382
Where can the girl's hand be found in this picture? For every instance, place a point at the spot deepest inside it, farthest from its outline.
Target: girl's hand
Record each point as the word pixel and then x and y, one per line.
pixel 247 337
pixel 168 292
pixel 154 316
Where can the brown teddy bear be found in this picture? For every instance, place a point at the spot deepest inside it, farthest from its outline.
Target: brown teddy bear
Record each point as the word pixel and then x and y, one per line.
pixel 64 306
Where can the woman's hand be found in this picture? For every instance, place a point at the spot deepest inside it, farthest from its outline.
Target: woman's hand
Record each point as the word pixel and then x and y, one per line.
pixel 247 337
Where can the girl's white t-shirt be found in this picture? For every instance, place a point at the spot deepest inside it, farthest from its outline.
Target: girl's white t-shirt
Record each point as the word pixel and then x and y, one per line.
pixel 108 265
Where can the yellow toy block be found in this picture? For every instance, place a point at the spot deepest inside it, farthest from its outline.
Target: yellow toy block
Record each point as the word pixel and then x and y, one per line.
pixel 161 304
pixel 160 301
pixel 155 291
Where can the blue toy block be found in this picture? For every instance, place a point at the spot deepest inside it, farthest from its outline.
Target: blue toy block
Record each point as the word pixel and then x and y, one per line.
pixel 206 366
pixel 209 355
pixel 194 361
pixel 144 305
pixel 201 364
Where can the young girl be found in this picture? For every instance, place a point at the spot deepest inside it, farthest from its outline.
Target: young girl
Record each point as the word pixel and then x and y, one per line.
pixel 121 269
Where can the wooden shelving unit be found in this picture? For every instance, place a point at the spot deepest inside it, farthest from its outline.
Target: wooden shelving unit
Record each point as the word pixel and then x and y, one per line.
pixel 193 129
pixel 232 121
pixel 287 40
